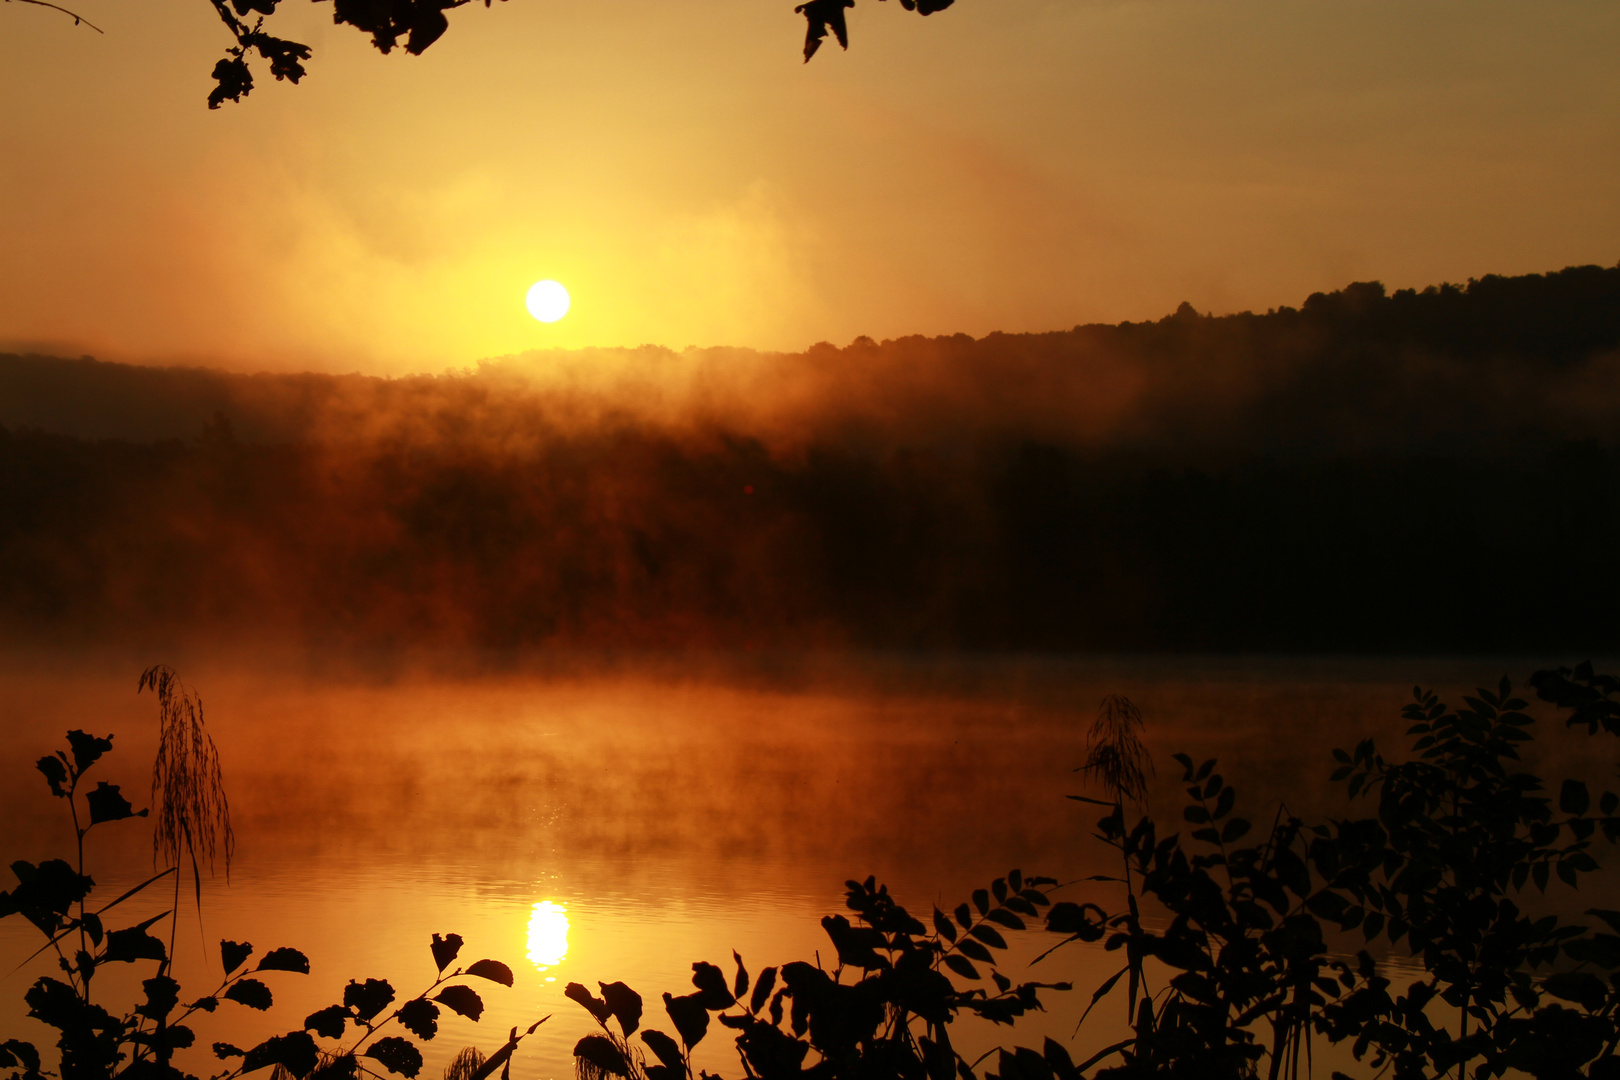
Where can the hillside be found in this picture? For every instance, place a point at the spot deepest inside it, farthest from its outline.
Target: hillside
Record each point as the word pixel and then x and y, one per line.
pixel 1428 470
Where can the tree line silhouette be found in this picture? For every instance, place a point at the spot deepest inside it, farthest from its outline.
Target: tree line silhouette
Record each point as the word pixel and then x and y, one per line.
pixel 1266 482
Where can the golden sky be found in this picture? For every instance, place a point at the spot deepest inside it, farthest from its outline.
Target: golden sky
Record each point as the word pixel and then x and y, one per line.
pixel 1003 165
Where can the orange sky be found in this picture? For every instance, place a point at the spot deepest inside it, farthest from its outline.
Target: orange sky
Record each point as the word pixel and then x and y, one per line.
pixel 1005 164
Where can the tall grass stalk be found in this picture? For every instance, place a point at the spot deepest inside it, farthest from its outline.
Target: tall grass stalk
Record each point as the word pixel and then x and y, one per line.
pixel 188 790
pixel 1115 755
pixel 1117 759
pixel 190 811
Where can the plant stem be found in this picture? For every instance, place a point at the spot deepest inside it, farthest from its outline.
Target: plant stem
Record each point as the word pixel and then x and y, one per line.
pixel 84 976
pixel 1133 953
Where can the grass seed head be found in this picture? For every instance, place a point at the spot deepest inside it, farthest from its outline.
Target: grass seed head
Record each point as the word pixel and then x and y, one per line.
pixel 1114 751
pixel 191 814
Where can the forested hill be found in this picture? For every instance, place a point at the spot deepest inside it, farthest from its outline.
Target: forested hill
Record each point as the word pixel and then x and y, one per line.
pixel 1351 370
pixel 1429 470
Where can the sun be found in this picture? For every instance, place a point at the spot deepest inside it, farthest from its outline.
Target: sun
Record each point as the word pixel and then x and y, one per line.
pixel 547 300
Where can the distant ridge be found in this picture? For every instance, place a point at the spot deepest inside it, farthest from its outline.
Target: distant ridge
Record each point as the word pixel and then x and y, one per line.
pixel 1433 471
pixel 1532 344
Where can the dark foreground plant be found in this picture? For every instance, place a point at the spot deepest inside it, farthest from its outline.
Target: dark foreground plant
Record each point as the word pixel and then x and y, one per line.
pixel 1254 948
pixel 1117 760
pixel 1261 944
pixel 885 1009
pixel 138 1042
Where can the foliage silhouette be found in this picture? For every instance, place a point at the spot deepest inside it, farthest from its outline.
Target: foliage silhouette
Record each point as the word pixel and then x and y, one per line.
pixel 97 1044
pixel 1240 950
pixel 1117 759
pixel 891 1019
pixel 1252 956
pixel 409 24
pixel 75 16
pixel 1457 830
pixel 823 16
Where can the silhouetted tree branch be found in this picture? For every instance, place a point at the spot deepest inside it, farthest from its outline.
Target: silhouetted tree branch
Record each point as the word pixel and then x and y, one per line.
pixel 74 15
pixel 825 15
pixel 415 24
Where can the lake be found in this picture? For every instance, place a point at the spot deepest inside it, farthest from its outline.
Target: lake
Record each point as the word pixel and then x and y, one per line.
pixel 623 823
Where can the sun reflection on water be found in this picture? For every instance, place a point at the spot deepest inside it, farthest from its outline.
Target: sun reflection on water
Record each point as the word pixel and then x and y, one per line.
pixel 548 935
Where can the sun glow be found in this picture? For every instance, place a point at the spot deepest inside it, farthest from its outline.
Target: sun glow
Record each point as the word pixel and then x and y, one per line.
pixel 547 301
pixel 548 934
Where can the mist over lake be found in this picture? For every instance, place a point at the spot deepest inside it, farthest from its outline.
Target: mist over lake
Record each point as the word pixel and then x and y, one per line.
pixel 667 816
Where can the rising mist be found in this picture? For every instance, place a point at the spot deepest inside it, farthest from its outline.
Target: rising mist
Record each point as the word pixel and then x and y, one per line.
pixel 1419 471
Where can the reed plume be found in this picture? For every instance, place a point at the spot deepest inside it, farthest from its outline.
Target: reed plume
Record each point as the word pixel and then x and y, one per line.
pixel 1114 751
pixel 330 1065
pixel 1115 756
pixel 190 810
pixel 466 1065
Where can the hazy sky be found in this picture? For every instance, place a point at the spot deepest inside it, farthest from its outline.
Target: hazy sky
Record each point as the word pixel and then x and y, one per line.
pixel 1005 164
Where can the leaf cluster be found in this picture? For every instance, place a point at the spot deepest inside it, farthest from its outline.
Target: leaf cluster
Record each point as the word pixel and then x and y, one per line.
pixel 417 24
pixel 884 1010
pixel 363 1014
pixel 827 16
pixel 1461 831
pixel 1257 930
pixel 98 1043
pixel 95 1041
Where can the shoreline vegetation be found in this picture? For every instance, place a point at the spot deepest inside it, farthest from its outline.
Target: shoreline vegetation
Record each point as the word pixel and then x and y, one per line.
pixel 1273 482
pixel 1229 934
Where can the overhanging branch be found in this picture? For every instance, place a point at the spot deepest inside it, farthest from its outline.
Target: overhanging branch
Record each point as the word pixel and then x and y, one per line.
pixel 75 16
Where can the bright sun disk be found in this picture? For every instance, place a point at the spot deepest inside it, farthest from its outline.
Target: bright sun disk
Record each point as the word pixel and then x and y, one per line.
pixel 547 300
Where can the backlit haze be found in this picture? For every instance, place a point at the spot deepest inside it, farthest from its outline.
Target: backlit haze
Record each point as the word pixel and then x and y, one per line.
pixel 1251 359
pixel 1011 165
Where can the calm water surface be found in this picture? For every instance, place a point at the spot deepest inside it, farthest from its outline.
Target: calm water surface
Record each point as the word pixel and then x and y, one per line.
pixel 621 827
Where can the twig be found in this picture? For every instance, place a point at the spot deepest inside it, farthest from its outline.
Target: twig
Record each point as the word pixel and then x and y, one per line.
pixel 75 16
